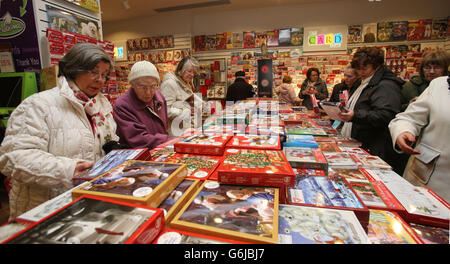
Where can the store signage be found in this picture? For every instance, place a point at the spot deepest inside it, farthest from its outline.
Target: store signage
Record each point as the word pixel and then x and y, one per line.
pixel 332 39
pixel 327 38
pixel 11 27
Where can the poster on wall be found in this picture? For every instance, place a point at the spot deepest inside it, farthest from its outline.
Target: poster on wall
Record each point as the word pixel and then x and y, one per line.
pixel 92 5
pixel 369 32
pixel 327 38
pixel 18 31
pixel 65 21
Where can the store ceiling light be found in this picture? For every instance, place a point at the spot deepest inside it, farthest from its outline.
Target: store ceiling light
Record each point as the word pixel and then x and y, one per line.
pixel 191 6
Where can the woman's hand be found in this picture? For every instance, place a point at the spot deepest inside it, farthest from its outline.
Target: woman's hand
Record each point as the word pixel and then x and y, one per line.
pixel 404 142
pixel 82 166
pixel 347 116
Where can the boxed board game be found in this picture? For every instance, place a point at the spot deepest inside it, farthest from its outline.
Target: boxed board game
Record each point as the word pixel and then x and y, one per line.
pixel 306 158
pixel 113 159
pixel 306 141
pixel 311 225
pixel 340 160
pixel 327 192
pixel 255 167
pixel 140 182
pixel 389 228
pixel 203 144
pixel 422 205
pixel 431 234
pixel 182 193
pixel 269 142
pixel 199 166
pixel 95 220
pixel 174 236
pixel 243 213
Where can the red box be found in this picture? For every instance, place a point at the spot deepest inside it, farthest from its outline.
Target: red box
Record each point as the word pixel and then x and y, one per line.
pixel 204 144
pixel 109 221
pixel 306 158
pixel 255 167
pixel 54 36
pixel 199 166
pixel 175 236
pixel 268 142
pixel 309 172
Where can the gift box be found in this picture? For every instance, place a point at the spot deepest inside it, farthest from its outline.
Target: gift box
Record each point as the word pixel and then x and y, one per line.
pixel 139 182
pixel 311 225
pixel 95 220
pixel 269 142
pixel 204 144
pixel 389 228
pixel 199 166
pixel 306 158
pixel 174 236
pixel 179 196
pixel 325 192
pixel 111 160
pixel 242 213
pixel 255 167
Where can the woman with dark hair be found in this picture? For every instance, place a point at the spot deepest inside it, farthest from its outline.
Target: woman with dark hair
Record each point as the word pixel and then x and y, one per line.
pixel 313 85
pixel 54 135
pixel 434 64
pixel 373 105
pixel 178 90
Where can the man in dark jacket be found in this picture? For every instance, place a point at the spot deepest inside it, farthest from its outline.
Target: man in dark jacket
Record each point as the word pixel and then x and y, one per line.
pixel 374 104
pixel 350 83
pixel 240 89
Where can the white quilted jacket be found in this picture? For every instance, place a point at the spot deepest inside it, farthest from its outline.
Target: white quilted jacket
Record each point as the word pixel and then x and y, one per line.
pixel 46 136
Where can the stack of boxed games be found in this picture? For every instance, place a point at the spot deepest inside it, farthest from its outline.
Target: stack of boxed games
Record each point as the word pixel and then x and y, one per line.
pixel 139 182
pixel 243 213
pixel 203 143
pixel 255 167
pixel 95 220
pixel 269 142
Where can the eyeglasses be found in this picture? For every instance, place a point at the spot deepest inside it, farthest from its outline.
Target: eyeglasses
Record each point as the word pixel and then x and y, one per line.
pixel 97 75
pixel 435 68
pixel 147 87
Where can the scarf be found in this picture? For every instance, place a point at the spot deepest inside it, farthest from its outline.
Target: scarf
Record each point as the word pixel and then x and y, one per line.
pixel 347 128
pixel 92 109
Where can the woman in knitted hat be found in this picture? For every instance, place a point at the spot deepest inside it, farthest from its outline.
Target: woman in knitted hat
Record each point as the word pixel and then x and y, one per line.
pixel 141 113
pixel 54 135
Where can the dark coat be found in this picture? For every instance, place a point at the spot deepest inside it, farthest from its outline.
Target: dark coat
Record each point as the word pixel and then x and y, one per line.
pixel 377 105
pixel 239 90
pixel 320 86
pixel 338 88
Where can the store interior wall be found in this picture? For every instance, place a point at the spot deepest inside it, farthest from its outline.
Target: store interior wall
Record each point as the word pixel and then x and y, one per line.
pixel 345 12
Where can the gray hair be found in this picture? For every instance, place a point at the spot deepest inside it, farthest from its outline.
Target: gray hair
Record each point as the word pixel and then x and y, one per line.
pixel 185 63
pixel 80 58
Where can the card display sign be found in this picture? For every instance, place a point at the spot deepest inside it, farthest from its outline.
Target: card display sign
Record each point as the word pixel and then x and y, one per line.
pixel 255 167
pixel 241 213
pixel 265 78
pixel 93 220
pixel 309 225
pixel 141 182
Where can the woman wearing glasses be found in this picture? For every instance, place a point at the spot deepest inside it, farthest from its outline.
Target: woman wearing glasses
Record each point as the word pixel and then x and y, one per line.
pixel 54 135
pixel 434 64
pixel 141 113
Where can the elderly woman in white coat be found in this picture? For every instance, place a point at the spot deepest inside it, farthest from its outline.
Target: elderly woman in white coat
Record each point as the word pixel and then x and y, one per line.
pixel 177 88
pixel 54 135
pixel 427 120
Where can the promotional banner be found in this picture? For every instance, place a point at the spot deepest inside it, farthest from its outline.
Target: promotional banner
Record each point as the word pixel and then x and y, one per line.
pixel 18 30
pixel 265 78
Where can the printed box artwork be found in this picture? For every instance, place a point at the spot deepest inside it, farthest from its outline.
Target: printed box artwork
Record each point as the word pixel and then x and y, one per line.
pixel 241 213
pixel 225 129
pixel 141 182
pixel 389 228
pixel 271 142
pixel 431 234
pixel 371 162
pixel 199 166
pixel 173 236
pixel 305 131
pixel 205 144
pixel 255 167
pixel 348 174
pixel 306 158
pixel 309 225
pixel 92 220
pixel 306 141
pixel 340 160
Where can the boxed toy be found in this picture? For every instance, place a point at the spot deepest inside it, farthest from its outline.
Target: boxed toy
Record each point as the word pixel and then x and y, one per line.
pixel 242 213
pixel 255 167
pixel 95 220
pixel 140 182
pixel 204 144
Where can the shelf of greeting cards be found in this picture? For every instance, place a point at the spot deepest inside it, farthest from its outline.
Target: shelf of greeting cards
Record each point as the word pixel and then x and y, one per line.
pixel 387 43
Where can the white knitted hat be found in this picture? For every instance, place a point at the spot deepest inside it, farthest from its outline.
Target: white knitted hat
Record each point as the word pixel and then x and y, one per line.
pixel 143 69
